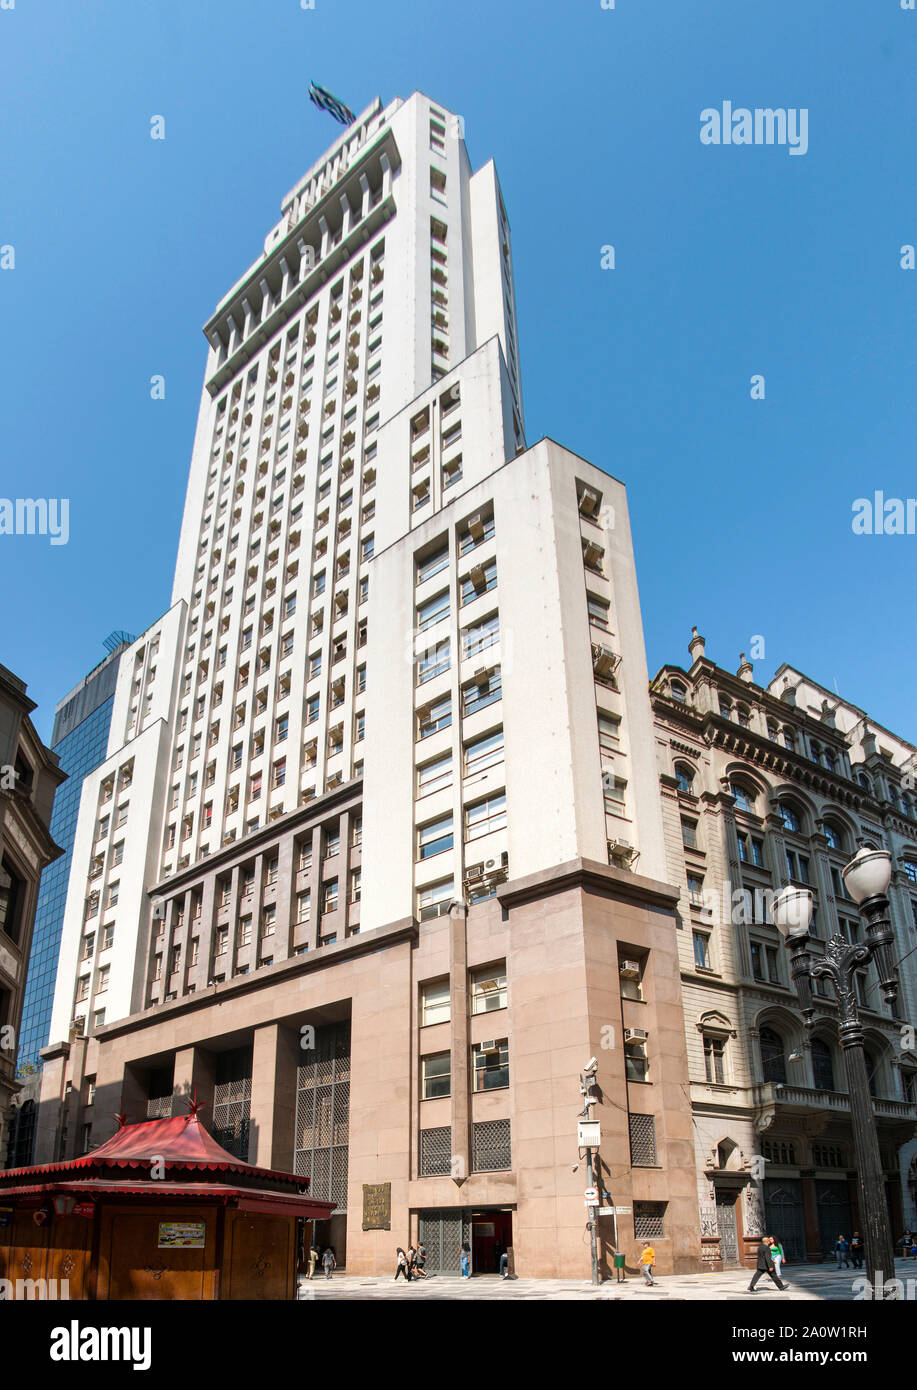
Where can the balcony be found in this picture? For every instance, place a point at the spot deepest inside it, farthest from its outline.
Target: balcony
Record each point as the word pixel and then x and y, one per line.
pixel 772 1097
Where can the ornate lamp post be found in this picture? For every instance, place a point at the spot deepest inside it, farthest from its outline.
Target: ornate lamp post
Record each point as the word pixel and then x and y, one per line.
pixel 867 877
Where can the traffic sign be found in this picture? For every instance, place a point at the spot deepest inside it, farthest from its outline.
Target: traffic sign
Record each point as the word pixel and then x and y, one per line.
pixel 591 1194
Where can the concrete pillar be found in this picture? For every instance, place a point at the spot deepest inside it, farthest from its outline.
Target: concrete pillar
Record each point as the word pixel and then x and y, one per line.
pixel 195 1072
pixel 275 1056
pixel 458 983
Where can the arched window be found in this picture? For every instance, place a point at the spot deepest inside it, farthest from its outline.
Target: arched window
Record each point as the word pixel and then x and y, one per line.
pixel 773 731
pixel 789 739
pixel 863 780
pixel 773 1058
pixel 907 807
pixel 816 750
pixel 910 868
pixel 684 776
pixel 743 715
pixel 870 1070
pixel 725 709
pixel 745 798
pixel 829 759
pixel 678 691
pixel 789 816
pixel 822 1066
pixel 834 835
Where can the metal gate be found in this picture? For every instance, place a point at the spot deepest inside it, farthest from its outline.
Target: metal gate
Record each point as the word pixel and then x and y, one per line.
pixel 834 1218
pixel 784 1215
pixel 726 1226
pixel 442 1233
pixel 322 1134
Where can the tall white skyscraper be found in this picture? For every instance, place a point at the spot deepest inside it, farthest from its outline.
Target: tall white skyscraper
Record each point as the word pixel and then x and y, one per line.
pixel 392 737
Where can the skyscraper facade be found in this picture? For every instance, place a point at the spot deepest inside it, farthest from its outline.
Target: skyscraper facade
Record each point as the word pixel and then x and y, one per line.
pixel 80 740
pixel 375 863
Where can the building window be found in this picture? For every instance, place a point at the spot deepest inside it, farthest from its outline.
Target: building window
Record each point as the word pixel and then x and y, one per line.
pixel 434 610
pixel 435 776
pixel 481 636
pixel 689 833
pixel 481 580
pixel 789 817
pixel 636 1067
pixel 435 1002
pixel 434 661
pixel 488 991
pixel 433 563
pixel 822 1066
pixel 437 716
pixel 745 798
pixel 482 691
pixel 684 776
pixel 485 816
pixel 773 1058
pixel 491 1068
pixel 714 1051
pixel 609 732
pixel 436 1152
pixel 483 753
pixel 491 1146
pixel 751 849
pixel 598 610
pixel 701 950
pixel 436 1075
pixel 434 901
pixel 303 906
pixel 330 896
pixel 435 837
pixel 649 1220
pixel 642 1141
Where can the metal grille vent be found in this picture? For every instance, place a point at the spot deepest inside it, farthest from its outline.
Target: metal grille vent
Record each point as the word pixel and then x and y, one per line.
pixel 436 1152
pixel 490 1146
pixel 643 1141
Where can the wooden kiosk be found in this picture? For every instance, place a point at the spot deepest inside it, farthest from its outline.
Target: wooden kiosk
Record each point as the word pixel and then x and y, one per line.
pixel 159 1211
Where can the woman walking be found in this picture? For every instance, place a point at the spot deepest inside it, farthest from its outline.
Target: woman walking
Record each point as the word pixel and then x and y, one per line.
pixel 777 1255
pixel 402 1266
pixel 466 1260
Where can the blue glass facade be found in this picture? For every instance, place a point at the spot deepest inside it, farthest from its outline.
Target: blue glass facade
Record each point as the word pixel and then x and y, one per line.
pixel 80 751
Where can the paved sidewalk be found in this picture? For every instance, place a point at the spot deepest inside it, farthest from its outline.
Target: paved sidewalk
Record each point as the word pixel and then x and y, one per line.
pixel 807 1283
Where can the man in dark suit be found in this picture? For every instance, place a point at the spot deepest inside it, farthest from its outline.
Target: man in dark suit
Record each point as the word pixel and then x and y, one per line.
pixel 765 1266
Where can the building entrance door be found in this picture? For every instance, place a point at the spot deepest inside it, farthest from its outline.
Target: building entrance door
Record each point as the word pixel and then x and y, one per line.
pixel 834 1217
pixel 441 1232
pixel 491 1234
pixel 784 1215
pixel 728 1231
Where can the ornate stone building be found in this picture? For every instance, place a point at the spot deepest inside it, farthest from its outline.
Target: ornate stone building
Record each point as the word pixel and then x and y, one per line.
pixel 762 787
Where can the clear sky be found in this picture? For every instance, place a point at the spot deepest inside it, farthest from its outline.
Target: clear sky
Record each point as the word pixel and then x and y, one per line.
pixel 729 262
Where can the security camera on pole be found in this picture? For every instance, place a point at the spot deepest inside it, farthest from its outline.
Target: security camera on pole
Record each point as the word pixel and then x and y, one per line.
pixel 588 1136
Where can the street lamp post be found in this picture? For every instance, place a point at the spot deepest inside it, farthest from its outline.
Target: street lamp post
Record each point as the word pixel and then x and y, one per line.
pixel 867 877
pixel 589 1099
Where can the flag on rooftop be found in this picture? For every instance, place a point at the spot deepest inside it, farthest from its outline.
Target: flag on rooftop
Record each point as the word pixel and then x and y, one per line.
pixel 326 102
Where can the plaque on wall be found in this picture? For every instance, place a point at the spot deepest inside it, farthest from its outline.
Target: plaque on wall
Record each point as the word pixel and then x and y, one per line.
pixel 377 1206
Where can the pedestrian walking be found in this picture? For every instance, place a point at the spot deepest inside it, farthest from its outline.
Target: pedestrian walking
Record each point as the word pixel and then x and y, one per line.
pixel 412 1261
pixel 777 1256
pixel 856 1250
pixel 648 1261
pixel 842 1251
pixel 313 1259
pixel 765 1266
pixel 465 1254
pixel 328 1262
pixel 504 1265
pixel 420 1260
pixel 402 1266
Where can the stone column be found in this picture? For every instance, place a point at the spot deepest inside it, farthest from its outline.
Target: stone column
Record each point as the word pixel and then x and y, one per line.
pixel 458 979
pixel 275 1056
pixel 195 1073
pixel 810 1215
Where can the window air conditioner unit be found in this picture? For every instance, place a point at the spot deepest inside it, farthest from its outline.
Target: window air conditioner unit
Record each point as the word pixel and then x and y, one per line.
pixel 635 1035
pixel 588 502
pixel 490 1045
pixel 604 660
pixel 623 849
pixel 482 676
pixel 478 578
pixel 630 969
pixel 592 554
pixel 474 872
pixel 476 527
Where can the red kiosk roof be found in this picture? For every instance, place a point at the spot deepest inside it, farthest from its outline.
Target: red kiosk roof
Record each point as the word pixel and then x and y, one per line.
pixel 181 1142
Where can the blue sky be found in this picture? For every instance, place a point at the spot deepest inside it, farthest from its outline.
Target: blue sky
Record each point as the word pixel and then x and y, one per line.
pixel 730 261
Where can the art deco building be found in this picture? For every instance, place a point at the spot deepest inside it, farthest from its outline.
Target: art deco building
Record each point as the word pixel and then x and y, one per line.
pixel 762 787
pixel 29 777
pixel 377 855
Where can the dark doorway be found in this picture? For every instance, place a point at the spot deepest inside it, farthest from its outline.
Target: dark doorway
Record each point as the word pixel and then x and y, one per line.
pixel 491 1234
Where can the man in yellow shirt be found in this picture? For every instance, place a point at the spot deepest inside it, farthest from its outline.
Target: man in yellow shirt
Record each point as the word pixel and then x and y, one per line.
pixel 647 1260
